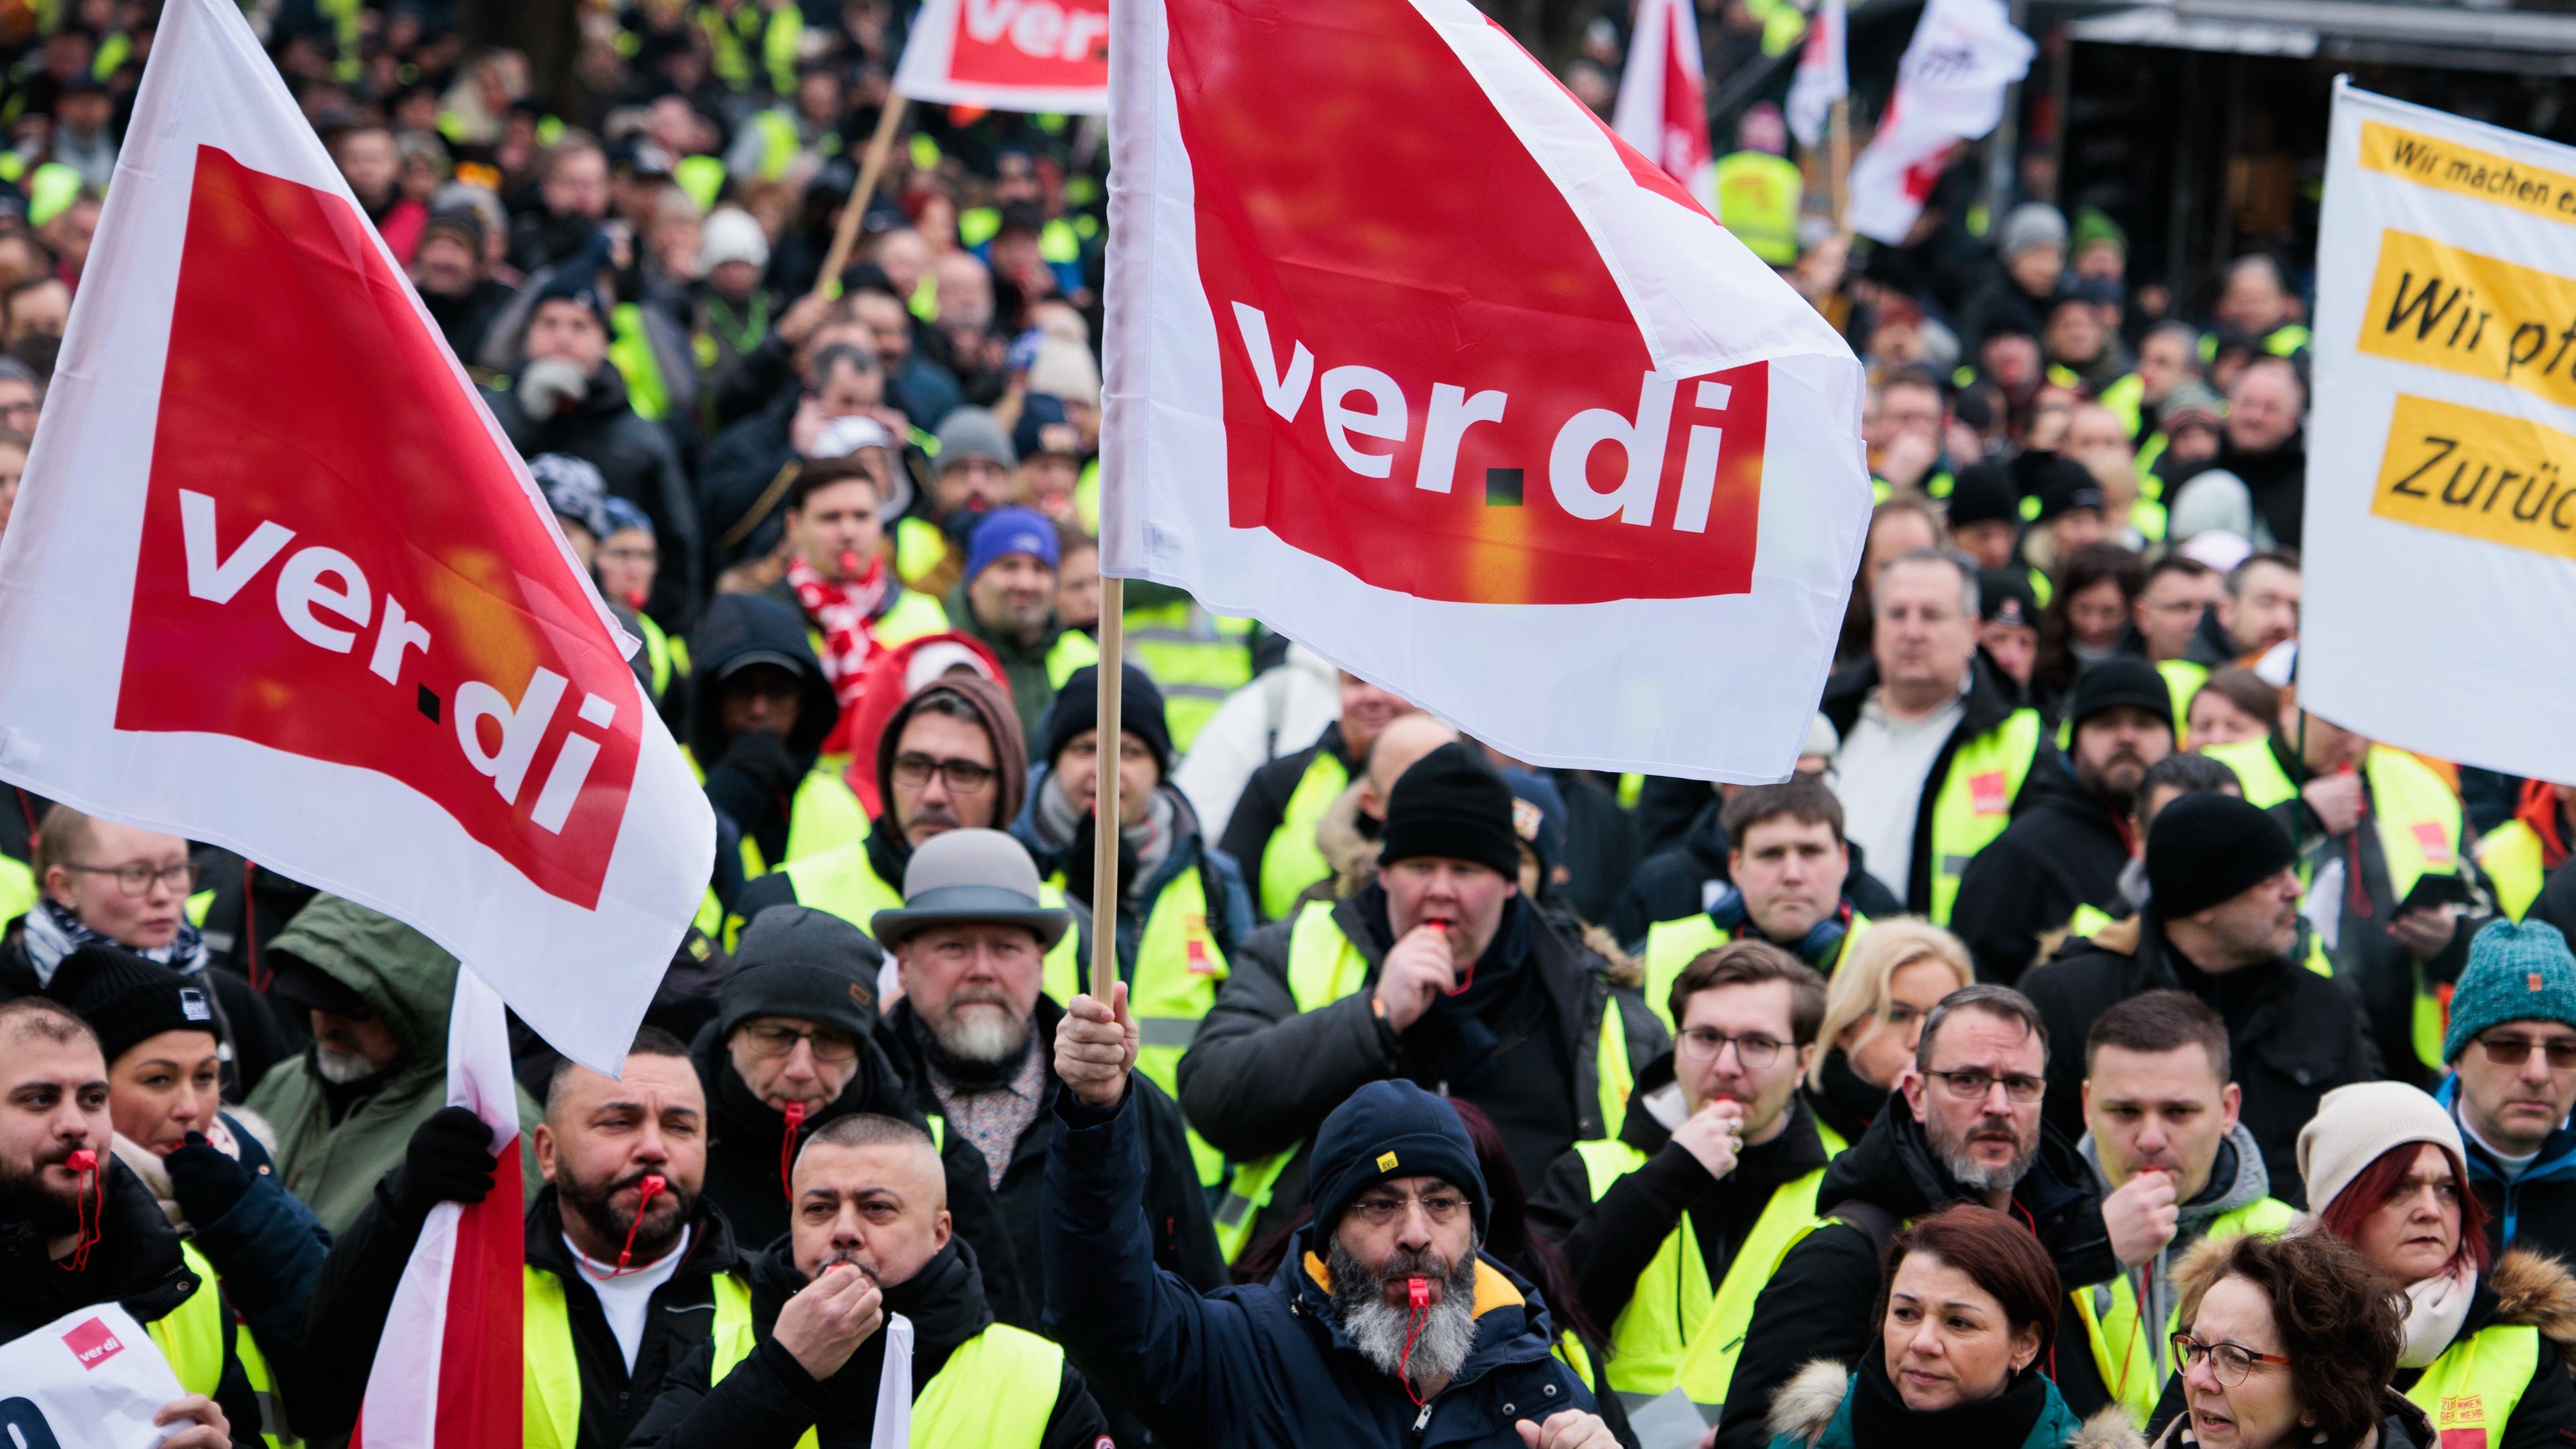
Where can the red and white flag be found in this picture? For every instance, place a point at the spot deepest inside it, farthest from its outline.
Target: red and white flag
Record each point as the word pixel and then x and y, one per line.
pixel 1949 89
pixel 1465 393
pixel 276 580
pixel 448 1369
pixel 1009 55
pixel 1823 77
pixel 1663 94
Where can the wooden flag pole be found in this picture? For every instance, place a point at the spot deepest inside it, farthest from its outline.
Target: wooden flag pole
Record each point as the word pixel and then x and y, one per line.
pixel 1105 819
pixel 871 171
pixel 1838 165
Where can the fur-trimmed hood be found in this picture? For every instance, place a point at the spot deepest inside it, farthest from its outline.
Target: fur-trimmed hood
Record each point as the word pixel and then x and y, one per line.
pixel 1349 850
pixel 1805 1406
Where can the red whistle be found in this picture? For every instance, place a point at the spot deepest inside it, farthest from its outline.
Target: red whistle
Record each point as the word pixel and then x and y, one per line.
pixel 652 1184
pixel 850 563
pixel 1417 1292
pixel 82 1160
pixel 635 598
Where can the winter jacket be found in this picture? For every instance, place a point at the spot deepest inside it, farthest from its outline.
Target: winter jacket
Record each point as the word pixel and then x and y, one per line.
pixel 252 1041
pixel 2293 1035
pixel 639 463
pixel 747 1138
pixel 1683 880
pixel 1286 704
pixel 1261 1075
pixel 769 1401
pixel 756 787
pixel 1601 850
pixel 1229 900
pixel 367 1264
pixel 335 1140
pixel 1269 1366
pixel 2535 1208
pixel 1027 667
pixel 1819 1303
pixel 1820 1409
pixel 736 472
pixel 2067 850
pixel 1006 1224
pixel 1264 802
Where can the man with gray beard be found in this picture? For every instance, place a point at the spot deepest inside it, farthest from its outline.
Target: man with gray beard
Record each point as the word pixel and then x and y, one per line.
pixel 969 1035
pixel 1963 1125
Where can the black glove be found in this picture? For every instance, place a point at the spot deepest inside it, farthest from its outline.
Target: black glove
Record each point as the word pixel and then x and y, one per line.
pixel 752 780
pixel 450 1160
pixel 205 1181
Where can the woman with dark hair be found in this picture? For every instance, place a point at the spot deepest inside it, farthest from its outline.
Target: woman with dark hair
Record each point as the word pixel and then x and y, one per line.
pixel 2488 1341
pixel 1969 1305
pixel 2096 584
pixel 2232 704
pixel 2287 1343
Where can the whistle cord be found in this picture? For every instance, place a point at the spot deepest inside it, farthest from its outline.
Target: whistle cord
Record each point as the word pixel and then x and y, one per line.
pixel 795 1113
pixel 93 1209
pixel 651 1184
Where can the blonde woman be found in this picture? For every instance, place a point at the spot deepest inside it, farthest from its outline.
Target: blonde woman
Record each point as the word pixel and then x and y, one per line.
pixel 1874 1011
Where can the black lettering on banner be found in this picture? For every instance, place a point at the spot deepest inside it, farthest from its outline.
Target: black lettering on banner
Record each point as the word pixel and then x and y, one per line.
pixel 2399 307
pixel 2446 447
pixel 2557 516
pixel 2548 488
pixel 2464 499
pixel 2514 353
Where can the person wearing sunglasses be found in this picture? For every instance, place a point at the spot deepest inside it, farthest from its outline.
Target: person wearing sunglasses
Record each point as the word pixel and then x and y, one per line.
pixel 2511 1047
pixel 2289 1343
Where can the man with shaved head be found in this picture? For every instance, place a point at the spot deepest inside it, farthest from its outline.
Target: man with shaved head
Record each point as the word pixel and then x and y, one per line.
pixel 871 1267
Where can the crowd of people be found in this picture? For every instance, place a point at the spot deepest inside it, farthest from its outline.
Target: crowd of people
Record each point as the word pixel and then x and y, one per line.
pixel 2086 1046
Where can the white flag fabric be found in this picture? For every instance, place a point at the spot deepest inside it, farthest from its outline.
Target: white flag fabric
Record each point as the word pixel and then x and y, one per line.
pixel 1824 76
pixel 275 579
pixel 1049 56
pixel 91 1379
pixel 1551 454
pixel 2439 540
pixel 1663 94
pixel 1949 89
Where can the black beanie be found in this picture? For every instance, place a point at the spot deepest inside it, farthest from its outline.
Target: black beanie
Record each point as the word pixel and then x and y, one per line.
pixel 2118 680
pixel 1451 803
pixel 801 962
pixel 1391 1129
pixel 1077 708
pixel 127 999
pixel 2204 849
pixel 1983 493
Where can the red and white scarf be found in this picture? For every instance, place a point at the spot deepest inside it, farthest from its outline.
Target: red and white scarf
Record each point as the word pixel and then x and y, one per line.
pixel 843 608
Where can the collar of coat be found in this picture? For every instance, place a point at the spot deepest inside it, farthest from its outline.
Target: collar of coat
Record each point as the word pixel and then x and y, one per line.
pixel 1807 1403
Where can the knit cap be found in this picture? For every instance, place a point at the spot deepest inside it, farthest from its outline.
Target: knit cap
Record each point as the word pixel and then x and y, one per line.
pixel 1451 803
pixel 2204 849
pixel 969 433
pixel 2031 224
pixel 2517 971
pixel 127 999
pixel 1077 708
pixel 1385 1130
pixel 800 962
pixel 2354 1125
pixel 1006 531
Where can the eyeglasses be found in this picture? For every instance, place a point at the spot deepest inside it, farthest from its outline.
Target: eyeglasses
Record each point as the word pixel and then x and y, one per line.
pixel 1381 1208
pixel 135 877
pixel 2228 1362
pixel 1704 1043
pixel 770 1040
pixel 1972 1085
pixel 622 554
pixel 964 777
pixel 2513 1051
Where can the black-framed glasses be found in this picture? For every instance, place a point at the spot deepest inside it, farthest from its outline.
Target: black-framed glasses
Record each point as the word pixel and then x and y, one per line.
pixel 1973 1084
pixel 769 1039
pixel 135 877
pixel 2513 1051
pixel 1756 1051
pixel 2228 1362
pixel 1377 1209
pixel 964 777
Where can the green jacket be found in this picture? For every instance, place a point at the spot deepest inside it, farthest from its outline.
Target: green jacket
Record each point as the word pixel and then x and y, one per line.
pixel 331 1160
pixel 1033 672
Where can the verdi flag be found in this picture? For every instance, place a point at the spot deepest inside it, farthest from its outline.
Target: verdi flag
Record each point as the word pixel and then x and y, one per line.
pixel 1009 55
pixel 275 580
pixel 1466 393
pixel 1822 79
pixel 1950 88
pixel 1663 100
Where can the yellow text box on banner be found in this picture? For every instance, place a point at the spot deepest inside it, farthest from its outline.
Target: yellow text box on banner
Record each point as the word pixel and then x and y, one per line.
pixel 2446 165
pixel 2479 474
pixel 2439 306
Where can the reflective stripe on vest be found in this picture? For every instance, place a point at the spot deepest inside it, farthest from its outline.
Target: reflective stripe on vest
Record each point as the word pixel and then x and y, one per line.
pixel 1975 801
pixel 550 1390
pixel 1675 1331
pixel 2512 858
pixel 1196 658
pixel 998 1389
pixel 2130 1362
pixel 2471 1391
pixel 1672 945
pixel 191 1336
pixel 1293 860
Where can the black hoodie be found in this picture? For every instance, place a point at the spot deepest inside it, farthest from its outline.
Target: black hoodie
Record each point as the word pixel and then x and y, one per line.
pixel 747 1138
pixel 752 781
pixel 638 462
pixel 2066 850
pixel 769 1401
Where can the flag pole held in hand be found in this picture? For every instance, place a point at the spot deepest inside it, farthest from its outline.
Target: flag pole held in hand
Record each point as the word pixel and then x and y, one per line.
pixel 1105 819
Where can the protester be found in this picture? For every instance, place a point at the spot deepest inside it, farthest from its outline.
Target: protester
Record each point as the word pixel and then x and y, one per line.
pixel 815 1358
pixel 2008 620
pixel 1787 876
pixel 2258 610
pixel 975 458
pixel 2221 923
pixel 2264 458
pixel 1007 600
pixel 1875 1006
pixel 2516 1003
pixel 2289 1341
pixel 1349 836
pixel 836 576
pixel 2096 586
pixel 2233 705
pixel 1277 809
pixel 760 712
pixel 2165 781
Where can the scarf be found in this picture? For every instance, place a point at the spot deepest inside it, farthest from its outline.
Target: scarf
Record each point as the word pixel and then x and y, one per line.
pixel 1452 1038
pixel 1879 1416
pixel 53 932
pixel 1142 847
pixel 2435 1309
pixel 843 609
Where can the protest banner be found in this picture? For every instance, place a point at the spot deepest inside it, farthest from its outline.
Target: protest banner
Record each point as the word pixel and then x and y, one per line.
pixel 91 1379
pixel 1009 55
pixel 275 579
pixel 1950 89
pixel 2442 489
pixel 1663 94
pixel 1551 454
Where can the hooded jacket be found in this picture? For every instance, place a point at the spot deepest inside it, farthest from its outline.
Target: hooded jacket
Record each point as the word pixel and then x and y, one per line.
pixel 747 1138
pixel 1676 881
pixel 769 1401
pixel 2237 1180
pixel 2534 1208
pixel 2066 850
pixel 638 462
pixel 1818 1305
pixel 334 1141
pixel 1229 901
pixel 754 787
pixel 1815 1410
pixel 1269 1366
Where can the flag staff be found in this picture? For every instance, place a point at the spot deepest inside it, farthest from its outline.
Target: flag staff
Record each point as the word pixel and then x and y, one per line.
pixel 1838 162
pixel 1105 818
pixel 871 171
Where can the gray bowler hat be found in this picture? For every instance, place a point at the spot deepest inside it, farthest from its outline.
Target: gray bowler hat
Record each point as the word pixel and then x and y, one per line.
pixel 969 876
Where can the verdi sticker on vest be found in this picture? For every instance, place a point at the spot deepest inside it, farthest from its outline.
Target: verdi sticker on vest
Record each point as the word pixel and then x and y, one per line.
pixel 2434 841
pixel 1986 793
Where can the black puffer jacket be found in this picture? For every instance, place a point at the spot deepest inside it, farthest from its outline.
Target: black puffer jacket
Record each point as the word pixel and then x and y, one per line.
pixel 2067 850
pixel 639 463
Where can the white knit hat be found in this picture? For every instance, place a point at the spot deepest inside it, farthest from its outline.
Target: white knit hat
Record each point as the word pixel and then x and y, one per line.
pixel 731 234
pixel 2355 1124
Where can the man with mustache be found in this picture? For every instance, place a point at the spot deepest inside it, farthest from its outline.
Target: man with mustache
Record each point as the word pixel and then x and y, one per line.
pixel 1384 1323
pixel 2221 923
pixel 1964 1125
pixel 625 1280
pixel 2068 849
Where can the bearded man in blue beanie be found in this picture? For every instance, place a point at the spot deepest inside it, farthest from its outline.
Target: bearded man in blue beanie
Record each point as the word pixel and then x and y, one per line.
pixel 2516 1006
pixel 1007 599
pixel 1384 1324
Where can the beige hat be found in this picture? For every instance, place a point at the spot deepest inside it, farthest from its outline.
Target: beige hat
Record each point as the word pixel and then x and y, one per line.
pixel 2355 1124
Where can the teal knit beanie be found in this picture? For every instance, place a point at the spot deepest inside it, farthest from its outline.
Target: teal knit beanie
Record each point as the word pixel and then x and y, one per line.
pixel 2518 971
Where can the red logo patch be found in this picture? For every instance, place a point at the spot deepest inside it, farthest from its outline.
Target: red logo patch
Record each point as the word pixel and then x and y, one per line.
pixel 1986 793
pixel 336 559
pixel 93 1343
pixel 1052 43
pixel 2434 841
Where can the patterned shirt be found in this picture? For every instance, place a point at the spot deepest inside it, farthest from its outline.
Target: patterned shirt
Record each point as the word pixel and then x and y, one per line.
pixel 994 1117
